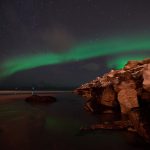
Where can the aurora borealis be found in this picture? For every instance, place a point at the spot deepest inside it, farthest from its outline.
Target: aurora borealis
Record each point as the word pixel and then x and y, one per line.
pixel 48 48
pixel 80 52
pixel 62 43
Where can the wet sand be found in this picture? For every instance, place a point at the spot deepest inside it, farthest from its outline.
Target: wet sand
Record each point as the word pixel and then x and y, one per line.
pixel 56 126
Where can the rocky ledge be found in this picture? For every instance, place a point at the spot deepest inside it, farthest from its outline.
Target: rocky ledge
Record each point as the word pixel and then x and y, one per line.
pixel 127 89
pixel 119 87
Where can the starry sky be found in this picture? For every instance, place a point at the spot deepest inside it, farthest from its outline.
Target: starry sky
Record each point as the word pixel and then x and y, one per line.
pixel 59 44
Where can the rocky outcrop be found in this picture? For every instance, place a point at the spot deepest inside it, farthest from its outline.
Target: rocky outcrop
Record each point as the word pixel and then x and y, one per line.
pixel 36 99
pixel 125 88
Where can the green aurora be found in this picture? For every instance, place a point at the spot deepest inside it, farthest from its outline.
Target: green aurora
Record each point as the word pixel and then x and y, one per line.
pixel 81 51
pixel 118 63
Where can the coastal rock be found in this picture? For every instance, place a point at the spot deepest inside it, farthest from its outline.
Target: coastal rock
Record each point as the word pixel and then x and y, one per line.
pixel 132 64
pixel 146 77
pixel 40 99
pixel 124 86
pixel 127 88
pixel 108 97
pixel 127 99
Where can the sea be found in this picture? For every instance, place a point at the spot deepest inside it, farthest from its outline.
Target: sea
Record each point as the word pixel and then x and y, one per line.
pixel 56 126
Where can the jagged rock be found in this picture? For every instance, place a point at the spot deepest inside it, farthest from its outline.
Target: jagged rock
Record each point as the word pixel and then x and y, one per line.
pixel 132 64
pixel 134 124
pixel 40 99
pixel 126 87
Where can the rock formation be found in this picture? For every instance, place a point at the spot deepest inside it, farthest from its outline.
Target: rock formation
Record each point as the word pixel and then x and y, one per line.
pixel 36 99
pixel 126 89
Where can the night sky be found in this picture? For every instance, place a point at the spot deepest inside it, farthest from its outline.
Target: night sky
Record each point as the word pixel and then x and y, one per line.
pixel 59 44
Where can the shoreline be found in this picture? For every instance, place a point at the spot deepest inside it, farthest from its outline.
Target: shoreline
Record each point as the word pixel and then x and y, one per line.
pixel 13 92
pixel 12 96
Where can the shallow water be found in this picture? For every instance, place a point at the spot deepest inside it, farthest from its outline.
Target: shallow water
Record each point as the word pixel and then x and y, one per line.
pixel 56 127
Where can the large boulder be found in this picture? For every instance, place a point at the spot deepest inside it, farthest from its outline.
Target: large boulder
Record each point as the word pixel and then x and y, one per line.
pixel 40 99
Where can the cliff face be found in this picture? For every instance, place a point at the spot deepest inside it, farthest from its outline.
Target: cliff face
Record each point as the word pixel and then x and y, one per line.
pixel 124 87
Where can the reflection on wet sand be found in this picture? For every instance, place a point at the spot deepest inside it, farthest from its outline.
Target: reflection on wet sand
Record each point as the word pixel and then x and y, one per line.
pixel 56 127
pixel 19 129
